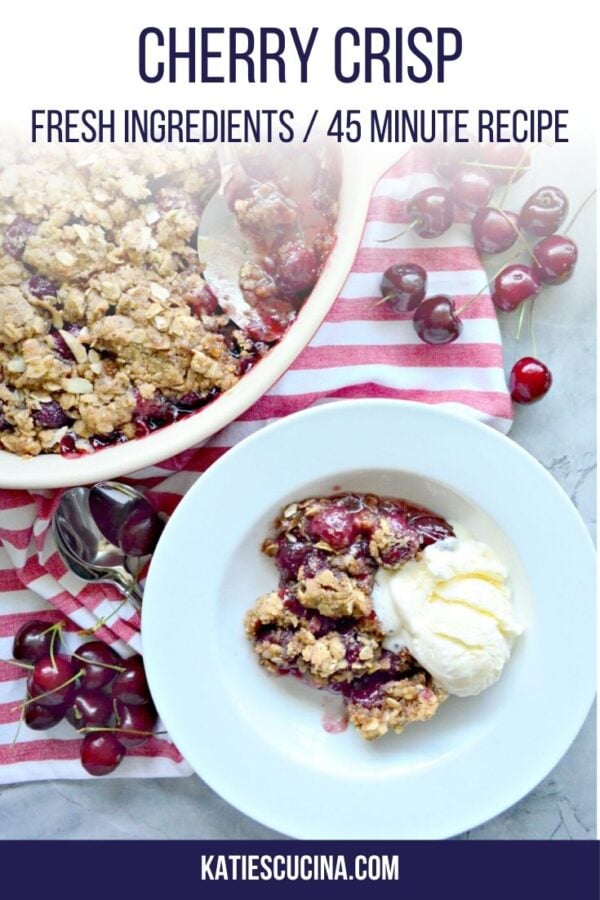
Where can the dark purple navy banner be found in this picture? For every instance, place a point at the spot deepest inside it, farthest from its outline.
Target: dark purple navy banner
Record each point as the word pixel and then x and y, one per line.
pixel 465 870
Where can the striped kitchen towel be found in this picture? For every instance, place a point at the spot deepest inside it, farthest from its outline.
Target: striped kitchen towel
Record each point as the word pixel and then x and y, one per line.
pixel 363 349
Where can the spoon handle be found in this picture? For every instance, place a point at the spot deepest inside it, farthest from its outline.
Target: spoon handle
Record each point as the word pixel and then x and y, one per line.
pixel 133 592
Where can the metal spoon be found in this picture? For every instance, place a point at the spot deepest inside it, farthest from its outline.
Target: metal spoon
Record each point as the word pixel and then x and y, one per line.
pixel 222 247
pixel 86 551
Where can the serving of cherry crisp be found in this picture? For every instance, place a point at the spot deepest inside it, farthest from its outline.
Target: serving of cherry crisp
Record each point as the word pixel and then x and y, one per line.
pixel 108 329
pixel 320 626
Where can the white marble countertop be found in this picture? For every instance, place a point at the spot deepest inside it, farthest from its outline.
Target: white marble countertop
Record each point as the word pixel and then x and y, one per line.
pixel 560 432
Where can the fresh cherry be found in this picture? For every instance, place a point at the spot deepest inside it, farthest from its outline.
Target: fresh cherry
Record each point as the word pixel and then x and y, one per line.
pixel 432 212
pixel 130 685
pixel 435 321
pixel 135 718
pixel 404 286
pixel 529 380
pixel 554 259
pixel 544 212
pixel 513 286
pixel 89 708
pixel 33 641
pixel 472 187
pixel 40 718
pixel 101 753
pixel 54 678
pixel 507 162
pixel 99 662
pixel 493 230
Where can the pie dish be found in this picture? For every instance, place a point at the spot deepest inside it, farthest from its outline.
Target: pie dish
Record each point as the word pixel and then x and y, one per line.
pixel 108 328
pixel 57 470
pixel 259 741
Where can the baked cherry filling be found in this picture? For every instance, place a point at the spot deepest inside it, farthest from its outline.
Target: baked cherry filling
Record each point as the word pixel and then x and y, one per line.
pixel 319 625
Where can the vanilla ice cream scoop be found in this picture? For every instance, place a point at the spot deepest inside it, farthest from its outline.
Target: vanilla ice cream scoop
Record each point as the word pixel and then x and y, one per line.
pixel 451 607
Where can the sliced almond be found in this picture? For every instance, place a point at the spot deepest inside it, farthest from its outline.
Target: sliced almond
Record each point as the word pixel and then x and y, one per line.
pixel 65 258
pixel 74 345
pixel 16 364
pixel 158 291
pixel 152 216
pixel 82 233
pixel 76 385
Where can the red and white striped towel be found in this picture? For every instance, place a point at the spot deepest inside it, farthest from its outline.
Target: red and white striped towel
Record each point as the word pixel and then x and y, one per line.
pixel 362 350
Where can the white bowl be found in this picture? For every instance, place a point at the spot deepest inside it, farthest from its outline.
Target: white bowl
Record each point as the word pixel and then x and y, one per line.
pixel 52 470
pixel 258 740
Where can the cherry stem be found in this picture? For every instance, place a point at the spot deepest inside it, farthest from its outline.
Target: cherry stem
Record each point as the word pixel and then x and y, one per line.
pixel 54 690
pixel 401 234
pixel 520 322
pixel 94 662
pixel 17 662
pixel 487 284
pixel 497 166
pixel 581 208
pixel 88 632
pixel 531 329
pixel 19 724
pixel 90 729
pixel 512 178
pixel 56 626
pixel 520 234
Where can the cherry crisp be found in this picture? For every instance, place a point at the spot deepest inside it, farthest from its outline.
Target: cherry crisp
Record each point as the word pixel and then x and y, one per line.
pixel 320 624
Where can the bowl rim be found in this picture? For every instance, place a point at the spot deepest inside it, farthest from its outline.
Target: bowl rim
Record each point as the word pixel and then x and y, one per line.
pixel 463 819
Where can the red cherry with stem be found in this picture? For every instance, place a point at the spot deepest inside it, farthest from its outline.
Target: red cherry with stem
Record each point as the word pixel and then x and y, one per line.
pixel 40 718
pixel 130 685
pixel 513 286
pixel 436 322
pixel 505 162
pixel 472 187
pixel 554 259
pixel 141 718
pixel 99 662
pixel 89 708
pixel 544 212
pixel 404 286
pixel 493 230
pixel 431 211
pixel 101 753
pixel 52 681
pixel 529 380
pixel 33 640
